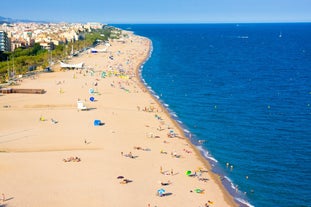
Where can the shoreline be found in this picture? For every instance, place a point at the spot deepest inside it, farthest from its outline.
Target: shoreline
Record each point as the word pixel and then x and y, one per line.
pixel 228 197
pixel 32 140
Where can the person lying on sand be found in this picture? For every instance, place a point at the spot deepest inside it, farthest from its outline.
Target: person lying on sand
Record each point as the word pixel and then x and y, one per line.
pixel 130 155
pixel 54 121
pixel 166 183
pixel 203 179
pixel 187 151
pixel 140 148
pixel 125 181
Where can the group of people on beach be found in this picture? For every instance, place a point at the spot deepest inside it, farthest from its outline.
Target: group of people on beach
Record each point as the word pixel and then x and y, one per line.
pixel 148 109
pixel 72 159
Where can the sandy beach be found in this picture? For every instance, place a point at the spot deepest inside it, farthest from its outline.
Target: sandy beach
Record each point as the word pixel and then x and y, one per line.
pixel 52 154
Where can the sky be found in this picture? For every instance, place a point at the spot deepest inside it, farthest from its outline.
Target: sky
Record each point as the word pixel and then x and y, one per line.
pixel 158 11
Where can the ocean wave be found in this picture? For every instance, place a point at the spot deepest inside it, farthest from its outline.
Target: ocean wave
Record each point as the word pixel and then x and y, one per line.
pixel 234 191
pixel 243 202
pixel 243 37
pixel 231 183
pixel 206 154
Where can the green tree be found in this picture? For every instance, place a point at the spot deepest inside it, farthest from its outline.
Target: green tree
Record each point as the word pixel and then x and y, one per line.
pixel 23 58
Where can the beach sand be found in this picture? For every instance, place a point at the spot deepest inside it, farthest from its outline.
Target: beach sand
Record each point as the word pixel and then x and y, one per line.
pixel 39 131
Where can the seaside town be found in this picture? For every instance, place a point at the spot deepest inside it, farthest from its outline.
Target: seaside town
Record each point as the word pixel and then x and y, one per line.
pixel 25 47
pixel 48 35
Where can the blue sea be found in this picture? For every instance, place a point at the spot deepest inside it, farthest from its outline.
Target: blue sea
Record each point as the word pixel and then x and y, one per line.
pixel 244 90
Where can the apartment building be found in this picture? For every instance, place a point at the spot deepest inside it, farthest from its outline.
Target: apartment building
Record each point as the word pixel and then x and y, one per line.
pixel 4 42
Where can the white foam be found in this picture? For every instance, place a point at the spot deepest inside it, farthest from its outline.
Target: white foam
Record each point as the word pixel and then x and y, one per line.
pixel 243 37
pixel 244 202
pixel 201 149
pixel 187 131
pixel 206 154
pixel 211 158
pixel 231 183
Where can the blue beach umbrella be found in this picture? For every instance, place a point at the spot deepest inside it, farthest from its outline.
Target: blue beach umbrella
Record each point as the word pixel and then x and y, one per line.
pixel 104 74
pixel 91 90
pixel 92 98
pixel 161 191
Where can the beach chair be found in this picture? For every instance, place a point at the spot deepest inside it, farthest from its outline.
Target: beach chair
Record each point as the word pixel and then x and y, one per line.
pixel 81 106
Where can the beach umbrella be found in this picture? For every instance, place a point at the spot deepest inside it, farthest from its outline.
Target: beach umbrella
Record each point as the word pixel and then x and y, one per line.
pixel 91 90
pixel 188 172
pixel 198 190
pixel 161 191
pixel 104 74
pixel 92 98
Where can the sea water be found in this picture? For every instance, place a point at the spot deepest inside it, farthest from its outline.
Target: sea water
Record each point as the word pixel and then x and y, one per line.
pixel 242 93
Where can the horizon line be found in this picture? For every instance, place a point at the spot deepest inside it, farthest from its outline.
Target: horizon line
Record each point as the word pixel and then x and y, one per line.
pixel 17 20
pixel 276 22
